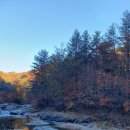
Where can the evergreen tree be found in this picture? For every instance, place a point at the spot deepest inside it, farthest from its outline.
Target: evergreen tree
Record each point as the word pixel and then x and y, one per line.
pixel 74 45
pixel 125 34
pixel 111 41
pixel 85 48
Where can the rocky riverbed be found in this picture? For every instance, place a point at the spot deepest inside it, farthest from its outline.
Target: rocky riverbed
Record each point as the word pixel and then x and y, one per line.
pixel 24 117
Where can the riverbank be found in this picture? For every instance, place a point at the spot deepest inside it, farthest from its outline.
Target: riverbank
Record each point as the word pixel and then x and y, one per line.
pixel 49 119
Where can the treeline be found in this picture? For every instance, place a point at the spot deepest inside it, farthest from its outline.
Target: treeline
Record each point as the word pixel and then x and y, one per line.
pixel 93 71
pixel 14 86
pixel 17 79
pixel 7 92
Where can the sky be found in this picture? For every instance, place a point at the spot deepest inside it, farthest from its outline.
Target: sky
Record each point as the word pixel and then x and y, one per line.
pixel 27 26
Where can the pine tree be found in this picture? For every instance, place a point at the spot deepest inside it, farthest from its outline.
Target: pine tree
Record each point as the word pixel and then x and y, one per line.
pixel 85 48
pixel 125 34
pixel 74 45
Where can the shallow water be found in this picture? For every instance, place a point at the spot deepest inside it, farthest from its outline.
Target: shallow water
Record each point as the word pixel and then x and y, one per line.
pixel 7 123
pixel 10 123
pixel 20 121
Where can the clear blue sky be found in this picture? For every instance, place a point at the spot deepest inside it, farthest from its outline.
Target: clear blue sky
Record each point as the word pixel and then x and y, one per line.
pixel 27 26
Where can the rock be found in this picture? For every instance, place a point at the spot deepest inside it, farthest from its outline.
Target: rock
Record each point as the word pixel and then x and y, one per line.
pixel 71 120
pixel 52 118
pixel 59 118
pixel 44 128
pixel 37 122
pixel 74 126
pixel 4 113
pixel 22 113
pixel 11 107
pixel 3 107
pixel 13 113
pixel 87 120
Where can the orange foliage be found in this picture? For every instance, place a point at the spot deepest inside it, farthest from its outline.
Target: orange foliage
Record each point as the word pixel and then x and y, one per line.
pixel 104 101
pixel 17 79
pixel 126 106
pixel 70 104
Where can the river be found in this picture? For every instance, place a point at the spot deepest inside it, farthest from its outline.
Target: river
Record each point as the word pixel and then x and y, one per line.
pixel 21 117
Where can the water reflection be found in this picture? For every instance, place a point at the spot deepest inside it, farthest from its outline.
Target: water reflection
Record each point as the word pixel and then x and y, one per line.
pixel 8 123
pixel 14 123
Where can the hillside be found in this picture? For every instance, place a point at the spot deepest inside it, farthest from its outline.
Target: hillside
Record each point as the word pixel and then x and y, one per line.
pixel 13 86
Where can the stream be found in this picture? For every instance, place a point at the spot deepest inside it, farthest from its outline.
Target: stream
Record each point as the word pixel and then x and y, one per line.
pixel 21 117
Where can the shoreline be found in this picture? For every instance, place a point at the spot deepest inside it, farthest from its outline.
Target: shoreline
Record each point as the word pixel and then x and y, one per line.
pixel 78 121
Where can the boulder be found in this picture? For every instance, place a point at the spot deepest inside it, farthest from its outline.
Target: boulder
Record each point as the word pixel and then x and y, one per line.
pixel 87 120
pixel 13 113
pixel 57 118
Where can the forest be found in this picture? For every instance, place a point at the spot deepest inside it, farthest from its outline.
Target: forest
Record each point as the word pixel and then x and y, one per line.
pixel 91 72
pixel 14 86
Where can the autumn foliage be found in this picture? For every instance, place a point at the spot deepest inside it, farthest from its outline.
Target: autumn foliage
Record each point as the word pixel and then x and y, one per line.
pixel 14 86
pixel 91 72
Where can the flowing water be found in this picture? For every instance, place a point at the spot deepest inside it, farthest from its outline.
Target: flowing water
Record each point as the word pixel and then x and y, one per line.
pixel 19 122
pixel 7 123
